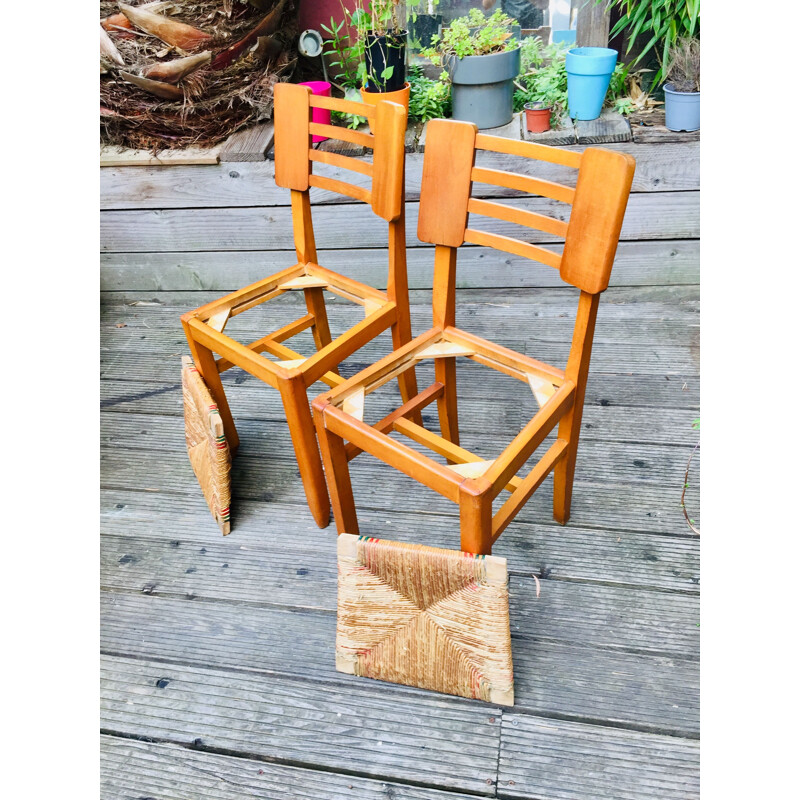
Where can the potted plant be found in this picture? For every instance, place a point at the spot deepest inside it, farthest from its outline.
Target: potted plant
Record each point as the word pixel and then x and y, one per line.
pixel 657 23
pixel 482 59
pixel 541 87
pixel 373 59
pixel 682 90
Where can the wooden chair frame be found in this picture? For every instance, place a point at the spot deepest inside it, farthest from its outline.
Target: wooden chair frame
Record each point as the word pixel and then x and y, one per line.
pixel 598 206
pixel 293 374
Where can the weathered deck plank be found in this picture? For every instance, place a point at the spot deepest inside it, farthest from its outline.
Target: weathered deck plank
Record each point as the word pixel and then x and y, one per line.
pixel 131 770
pixel 302 574
pixel 661 168
pixel 545 548
pixel 600 423
pixel 555 760
pixel 640 507
pixel 672 261
pixel 575 681
pixel 649 216
pixel 442 742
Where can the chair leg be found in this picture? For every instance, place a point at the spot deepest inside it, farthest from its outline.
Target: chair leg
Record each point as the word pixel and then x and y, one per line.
pixel 476 518
pixel 337 471
pixel 207 367
pixel 447 404
pixel 301 428
pixel 406 380
pixel 564 472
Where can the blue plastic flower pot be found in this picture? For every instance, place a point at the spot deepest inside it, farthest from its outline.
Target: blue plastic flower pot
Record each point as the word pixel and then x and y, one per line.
pixel 589 72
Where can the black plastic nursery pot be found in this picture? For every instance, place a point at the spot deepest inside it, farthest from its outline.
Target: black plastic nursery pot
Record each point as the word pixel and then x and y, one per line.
pixel 385 51
pixel 483 89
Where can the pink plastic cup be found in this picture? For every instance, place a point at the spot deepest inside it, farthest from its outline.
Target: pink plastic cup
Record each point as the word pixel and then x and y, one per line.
pixel 320 115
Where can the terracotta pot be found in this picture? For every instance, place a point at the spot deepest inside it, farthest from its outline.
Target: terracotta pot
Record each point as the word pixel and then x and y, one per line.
pixel 537 119
pixel 400 97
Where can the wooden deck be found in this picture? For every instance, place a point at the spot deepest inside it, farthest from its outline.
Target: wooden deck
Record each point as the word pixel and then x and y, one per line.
pixel 217 654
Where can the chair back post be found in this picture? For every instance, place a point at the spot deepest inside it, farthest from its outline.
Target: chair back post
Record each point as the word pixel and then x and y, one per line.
pixel 388 199
pixel 601 197
pixel 292 164
pixel 444 198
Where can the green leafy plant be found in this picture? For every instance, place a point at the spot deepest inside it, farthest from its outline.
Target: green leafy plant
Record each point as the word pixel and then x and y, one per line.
pixel 346 52
pixel 350 120
pixel 344 56
pixel 429 99
pixel 473 35
pixel 661 22
pixel 544 79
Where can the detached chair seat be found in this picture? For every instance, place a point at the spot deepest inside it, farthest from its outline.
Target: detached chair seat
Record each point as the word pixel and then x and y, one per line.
pixel 598 206
pixel 291 373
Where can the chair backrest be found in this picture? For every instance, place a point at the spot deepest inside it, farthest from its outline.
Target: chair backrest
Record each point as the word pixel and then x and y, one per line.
pixel 295 156
pixel 597 202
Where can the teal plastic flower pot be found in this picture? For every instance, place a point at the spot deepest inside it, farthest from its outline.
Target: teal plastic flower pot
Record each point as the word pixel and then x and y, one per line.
pixel 589 72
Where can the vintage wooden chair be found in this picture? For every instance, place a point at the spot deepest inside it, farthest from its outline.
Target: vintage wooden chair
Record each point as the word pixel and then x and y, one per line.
pixel 292 374
pixel 598 205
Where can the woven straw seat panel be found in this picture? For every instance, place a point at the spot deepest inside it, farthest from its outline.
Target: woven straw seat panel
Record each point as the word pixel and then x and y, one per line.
pixel 426 617
pixel 208 448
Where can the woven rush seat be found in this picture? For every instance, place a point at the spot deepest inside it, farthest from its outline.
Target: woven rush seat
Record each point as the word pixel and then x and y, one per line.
pixel 424 616
pixel 209 453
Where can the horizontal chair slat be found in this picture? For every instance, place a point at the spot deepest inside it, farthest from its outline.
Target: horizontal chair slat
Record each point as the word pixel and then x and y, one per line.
pixel 342 134
pixel 342 106
pixel 513 246
pixel 555 155
pixel 523 183
pixel 519 216
pixel 338 160
pixel 332 185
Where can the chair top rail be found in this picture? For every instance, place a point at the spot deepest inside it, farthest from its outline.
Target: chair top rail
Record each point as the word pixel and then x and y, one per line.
pixel 343 106
pixel 518 216
pixel 541 152
pixel 343 162
pixel 523 183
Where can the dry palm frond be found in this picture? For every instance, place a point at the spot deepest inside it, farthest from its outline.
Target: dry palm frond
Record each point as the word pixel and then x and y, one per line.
pixel 170 31
pixel 178 68
pixel 213 103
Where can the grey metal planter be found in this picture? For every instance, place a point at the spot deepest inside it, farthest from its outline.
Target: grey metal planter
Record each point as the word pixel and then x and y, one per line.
pixel 482 87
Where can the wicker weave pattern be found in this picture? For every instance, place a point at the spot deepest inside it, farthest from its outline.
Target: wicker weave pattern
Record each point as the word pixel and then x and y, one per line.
pixel 426 617
pixel 208 449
